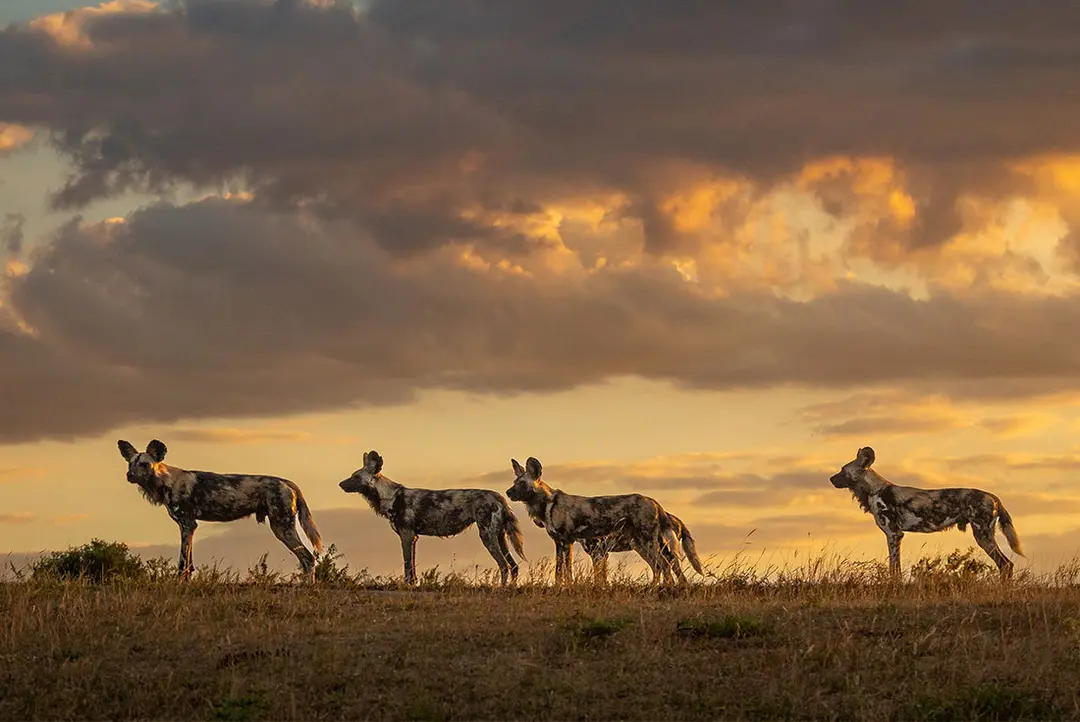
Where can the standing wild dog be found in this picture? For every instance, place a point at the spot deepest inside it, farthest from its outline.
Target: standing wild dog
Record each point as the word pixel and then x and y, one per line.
pixel 598 549
pixel 194 496
pixel 568 518
pixel 898 509
pixel 446 512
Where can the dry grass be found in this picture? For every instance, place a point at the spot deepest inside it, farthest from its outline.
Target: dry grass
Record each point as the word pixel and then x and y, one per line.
pixel 829 641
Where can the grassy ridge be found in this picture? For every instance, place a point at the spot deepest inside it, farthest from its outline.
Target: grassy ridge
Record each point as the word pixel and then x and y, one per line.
pixel 829 642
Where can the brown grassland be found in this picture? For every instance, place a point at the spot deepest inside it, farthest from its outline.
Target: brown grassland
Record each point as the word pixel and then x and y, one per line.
pixel 832 640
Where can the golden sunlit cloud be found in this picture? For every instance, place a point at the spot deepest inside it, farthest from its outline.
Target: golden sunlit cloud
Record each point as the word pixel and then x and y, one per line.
pixel 14 268
pixel 65 519
pixel 217 435
pixel 1021 424
pixel 13 136
pixel 893 413
pixel 22 517
pixel 17 474
pixel 68 28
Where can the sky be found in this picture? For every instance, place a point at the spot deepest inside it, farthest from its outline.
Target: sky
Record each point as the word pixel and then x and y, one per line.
pixel 701 251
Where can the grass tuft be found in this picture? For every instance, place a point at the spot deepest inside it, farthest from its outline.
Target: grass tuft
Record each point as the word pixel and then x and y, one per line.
pixel 600 628
pixel 986 701
pixel 731 626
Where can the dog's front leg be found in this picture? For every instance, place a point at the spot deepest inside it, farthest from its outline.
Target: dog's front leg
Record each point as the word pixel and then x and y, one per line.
pixel 564 573
pixel 894 538
pixel 408 551
pixel 185 566
pixel 558 563
pixel 187 525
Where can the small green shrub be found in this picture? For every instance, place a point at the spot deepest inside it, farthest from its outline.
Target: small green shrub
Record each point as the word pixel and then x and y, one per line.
pixel 987 701
pixel 261 573
pixel 600 628
pixel 98 561
pixel 329 571
pixel 967 565
pixel 731 626
pixel 239 709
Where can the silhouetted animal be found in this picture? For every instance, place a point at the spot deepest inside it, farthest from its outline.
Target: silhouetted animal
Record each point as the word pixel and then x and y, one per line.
pixel 598 549
pixel 194 496
pixel 447 512
pixel 568 518
pixel 899 509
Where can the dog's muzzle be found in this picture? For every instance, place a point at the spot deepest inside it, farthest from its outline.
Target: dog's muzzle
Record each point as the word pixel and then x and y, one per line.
pixel 511 495
pixel 838 480
pixel 346 486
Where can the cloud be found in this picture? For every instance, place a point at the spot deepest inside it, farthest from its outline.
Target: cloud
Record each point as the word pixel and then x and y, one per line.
pixel 395 117
pixel 11 234
pixel 1018 425
pixel 239 436
pixel 69 28
pixel 64 519
pixel 716 197
pixel 13 136
pixel 13 474
pixel 220 308
pixel 22 517
pixel 903 412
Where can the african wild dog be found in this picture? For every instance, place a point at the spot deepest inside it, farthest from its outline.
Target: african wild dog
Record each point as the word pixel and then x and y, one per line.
pixel 194 496
pixel 568 518
pixel 598 549
pixel 898 509
pixel 447 512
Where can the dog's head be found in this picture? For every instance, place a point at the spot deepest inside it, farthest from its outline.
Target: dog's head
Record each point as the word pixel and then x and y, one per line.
pixel 855 470
pixel 143 466
pixel 525 479
pixel 364 477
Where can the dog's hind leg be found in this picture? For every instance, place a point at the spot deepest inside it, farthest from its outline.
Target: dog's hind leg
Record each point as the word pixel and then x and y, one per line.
pixel 491 537
pixel 285 530
pixel 505 549
pixel 984 537
pixel 649 550
pixel 672 565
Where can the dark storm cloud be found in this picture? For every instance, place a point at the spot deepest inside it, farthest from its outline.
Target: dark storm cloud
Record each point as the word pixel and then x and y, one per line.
pixel 12 233
pixel 220 308
pixel 403 115
pixel 372 141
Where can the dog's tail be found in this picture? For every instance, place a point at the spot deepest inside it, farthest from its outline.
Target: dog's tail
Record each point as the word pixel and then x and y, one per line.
pixel 688 545
pixel 1007 528
pixel 513 530
pixel 306 522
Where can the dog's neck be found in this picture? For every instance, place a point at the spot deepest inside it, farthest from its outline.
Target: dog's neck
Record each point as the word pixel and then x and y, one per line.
pixel 380 494
pixel 871 483
pixel 155 489
pixel 539 499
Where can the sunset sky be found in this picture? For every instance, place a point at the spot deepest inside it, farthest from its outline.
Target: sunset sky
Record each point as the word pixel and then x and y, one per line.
pixel 703 251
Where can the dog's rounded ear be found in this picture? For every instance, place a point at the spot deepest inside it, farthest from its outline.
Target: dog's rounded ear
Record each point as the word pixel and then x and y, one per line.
pixel 866 457
pixel 518 469
pixel 373 462
pixel 126 449
pixel 157 450
pixel 532 465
